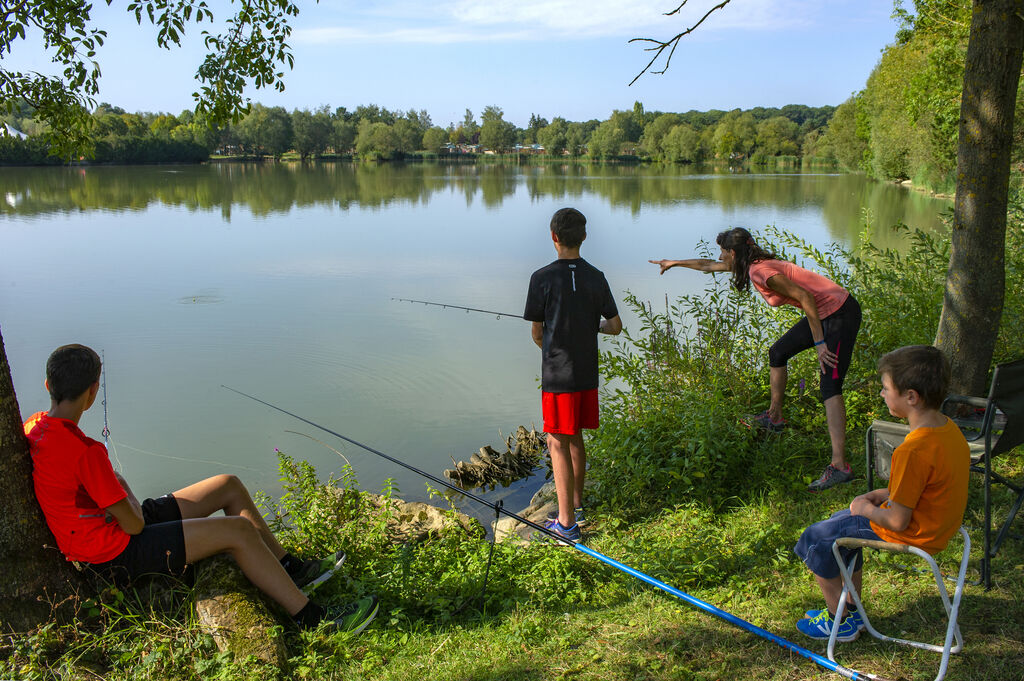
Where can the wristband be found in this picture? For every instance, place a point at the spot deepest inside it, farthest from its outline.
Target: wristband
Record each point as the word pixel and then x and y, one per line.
pixel 821 342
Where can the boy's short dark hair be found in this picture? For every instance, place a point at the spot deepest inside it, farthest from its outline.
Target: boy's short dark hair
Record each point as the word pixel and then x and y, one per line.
pixel 569 225
pixel 70 370
pixel 921 368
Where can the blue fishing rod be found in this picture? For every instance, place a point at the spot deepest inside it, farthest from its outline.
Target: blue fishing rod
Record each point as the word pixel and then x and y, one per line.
pixel 819 660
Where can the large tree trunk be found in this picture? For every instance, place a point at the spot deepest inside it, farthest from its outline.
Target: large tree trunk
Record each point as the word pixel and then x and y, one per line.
pixel 973 302
pixel 35 577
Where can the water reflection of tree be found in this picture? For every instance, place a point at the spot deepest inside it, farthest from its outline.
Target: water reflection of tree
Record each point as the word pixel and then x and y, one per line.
pixel 266 189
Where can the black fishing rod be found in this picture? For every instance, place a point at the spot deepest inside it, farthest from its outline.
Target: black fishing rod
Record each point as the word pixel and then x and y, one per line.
pixel 622 567
pixel 460 307
pixel 433 478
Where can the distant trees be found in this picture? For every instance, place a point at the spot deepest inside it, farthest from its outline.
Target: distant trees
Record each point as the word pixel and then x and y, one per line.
pixel 265 131
pixel 370 131
pixel 311 132
pixel 496 133
pixel 434 138
pixel 554 137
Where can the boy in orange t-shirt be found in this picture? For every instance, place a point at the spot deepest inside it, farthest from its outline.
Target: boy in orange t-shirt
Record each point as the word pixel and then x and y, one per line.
pixel 925 500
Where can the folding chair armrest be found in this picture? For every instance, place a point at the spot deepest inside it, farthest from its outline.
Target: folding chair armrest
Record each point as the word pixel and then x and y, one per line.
pixel 852 543
pixel 979 402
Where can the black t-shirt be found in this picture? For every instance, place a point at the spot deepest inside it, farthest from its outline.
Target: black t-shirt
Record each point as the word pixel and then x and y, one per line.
pixel 570 297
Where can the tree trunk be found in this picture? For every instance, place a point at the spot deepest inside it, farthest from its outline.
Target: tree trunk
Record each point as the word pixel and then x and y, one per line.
pixel 973 301
pixel 35 578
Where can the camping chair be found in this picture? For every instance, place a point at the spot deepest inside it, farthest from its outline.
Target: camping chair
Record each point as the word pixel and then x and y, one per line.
pixel 883 437
pixel 952 609
pixel 999 429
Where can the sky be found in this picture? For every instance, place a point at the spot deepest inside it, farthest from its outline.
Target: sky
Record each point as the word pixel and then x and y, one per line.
pixel 569 58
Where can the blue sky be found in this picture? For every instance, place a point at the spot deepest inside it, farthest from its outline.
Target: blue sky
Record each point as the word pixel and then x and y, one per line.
pixel 551 57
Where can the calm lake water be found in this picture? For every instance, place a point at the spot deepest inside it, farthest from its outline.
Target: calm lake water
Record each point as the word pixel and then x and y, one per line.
pixel 278 280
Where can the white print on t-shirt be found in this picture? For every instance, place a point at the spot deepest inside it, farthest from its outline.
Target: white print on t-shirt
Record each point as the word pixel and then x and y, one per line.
pixel 572 271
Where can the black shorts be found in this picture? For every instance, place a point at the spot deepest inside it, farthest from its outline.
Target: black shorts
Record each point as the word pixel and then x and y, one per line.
pixel 840 330
pixel 158 549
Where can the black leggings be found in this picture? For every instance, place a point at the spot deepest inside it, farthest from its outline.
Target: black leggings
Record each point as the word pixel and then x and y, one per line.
pixel 840 329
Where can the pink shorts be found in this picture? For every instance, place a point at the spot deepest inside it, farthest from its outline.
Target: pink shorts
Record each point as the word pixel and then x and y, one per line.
pixel 569 413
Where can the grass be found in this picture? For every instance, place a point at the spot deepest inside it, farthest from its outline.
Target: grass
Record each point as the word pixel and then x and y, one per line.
pixel 737 558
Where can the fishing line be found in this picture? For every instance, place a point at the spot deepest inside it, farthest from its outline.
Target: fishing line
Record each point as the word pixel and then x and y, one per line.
pixel 499 315
pixel 188 460
pixel 622 567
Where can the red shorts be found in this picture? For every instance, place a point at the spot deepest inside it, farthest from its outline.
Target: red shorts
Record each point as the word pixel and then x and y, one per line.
pixel 569 413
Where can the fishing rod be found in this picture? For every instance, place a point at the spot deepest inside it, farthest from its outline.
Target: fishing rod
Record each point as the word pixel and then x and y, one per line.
pixel 460 307
pixel 106 425
pixel 622 567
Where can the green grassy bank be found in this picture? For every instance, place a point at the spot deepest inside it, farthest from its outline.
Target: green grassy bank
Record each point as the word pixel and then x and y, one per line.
pixel 680 491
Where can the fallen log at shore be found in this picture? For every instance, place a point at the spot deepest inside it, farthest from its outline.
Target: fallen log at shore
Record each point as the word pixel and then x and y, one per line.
pixel 488 467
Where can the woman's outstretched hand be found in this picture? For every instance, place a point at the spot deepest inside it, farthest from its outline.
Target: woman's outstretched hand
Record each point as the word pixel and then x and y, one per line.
pixel 665 265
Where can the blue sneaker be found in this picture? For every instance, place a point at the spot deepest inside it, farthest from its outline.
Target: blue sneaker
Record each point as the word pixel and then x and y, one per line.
pixel 820 627
pixel 569 533
pixel 855 616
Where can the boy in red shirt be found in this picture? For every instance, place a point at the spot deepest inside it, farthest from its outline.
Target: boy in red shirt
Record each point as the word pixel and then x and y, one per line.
pixel 97 520
pixel 925 500
pixel 565 302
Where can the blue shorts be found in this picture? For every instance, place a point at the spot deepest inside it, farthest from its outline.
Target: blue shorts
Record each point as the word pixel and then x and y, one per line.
pixel 815 545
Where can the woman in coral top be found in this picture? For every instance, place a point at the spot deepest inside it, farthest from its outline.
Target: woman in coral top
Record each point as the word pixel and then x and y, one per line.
pixel 830 324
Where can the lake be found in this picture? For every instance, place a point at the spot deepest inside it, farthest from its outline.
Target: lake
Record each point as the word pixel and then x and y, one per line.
pixel 278 279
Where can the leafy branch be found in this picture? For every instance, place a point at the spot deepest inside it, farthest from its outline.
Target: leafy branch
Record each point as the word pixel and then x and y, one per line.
pixel 253 49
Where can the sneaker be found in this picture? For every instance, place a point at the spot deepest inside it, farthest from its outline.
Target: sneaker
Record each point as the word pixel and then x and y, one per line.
pixel 853 616
pixel 580 518
pixel 764 422
pixel 312 573
pixel 820 627
pixel 830 477
pixel 355 616
pixel 569 533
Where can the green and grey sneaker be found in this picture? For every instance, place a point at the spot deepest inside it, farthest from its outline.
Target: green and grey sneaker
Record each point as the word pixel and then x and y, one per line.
pixel 355 616
pixel 316 571
pixel 580 517
pixel 830 477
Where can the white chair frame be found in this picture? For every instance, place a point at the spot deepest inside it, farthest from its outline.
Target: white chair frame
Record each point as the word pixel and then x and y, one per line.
pixel 952 609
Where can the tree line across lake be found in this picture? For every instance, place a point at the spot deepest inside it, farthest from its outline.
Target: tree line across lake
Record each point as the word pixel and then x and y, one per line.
pixel 375 133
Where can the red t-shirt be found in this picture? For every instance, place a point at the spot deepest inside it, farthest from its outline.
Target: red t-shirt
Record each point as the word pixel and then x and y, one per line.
pixel 74 484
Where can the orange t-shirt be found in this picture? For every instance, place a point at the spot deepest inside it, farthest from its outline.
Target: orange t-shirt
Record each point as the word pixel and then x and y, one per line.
pixel 828 295
pixel 929 475
pixel 74 484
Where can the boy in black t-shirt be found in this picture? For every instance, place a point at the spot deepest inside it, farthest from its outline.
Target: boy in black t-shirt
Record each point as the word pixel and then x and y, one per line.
pixel 565 302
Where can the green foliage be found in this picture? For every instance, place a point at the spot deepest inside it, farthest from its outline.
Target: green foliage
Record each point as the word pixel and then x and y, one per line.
pixel 904 124
pixel 265 131
pixel 434 138
pixel 311 132
pixel 251 50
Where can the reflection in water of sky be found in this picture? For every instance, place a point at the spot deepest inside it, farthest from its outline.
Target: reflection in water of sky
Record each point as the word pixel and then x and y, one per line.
pixel 278 280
